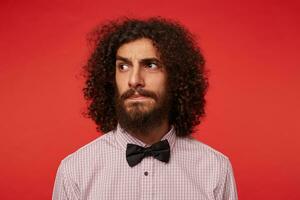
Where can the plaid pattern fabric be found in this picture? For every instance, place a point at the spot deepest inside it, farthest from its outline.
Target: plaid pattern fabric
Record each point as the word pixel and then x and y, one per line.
pixel 99 171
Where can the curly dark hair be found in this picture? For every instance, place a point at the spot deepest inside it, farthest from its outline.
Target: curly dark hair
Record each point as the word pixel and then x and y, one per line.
pixel 187 76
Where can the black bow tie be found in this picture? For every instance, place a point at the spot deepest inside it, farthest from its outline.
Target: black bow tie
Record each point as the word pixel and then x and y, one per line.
pixel 136 153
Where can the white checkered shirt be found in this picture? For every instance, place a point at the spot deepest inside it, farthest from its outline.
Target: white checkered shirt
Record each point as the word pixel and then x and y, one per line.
pixel 99 171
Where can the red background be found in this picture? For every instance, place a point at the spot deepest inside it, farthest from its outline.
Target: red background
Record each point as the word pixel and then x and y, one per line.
pixel 252 52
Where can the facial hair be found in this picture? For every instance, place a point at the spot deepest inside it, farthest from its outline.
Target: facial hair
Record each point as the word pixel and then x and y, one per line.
pixel 136 120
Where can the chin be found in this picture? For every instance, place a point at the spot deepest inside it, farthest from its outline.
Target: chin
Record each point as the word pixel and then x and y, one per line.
pixel 135 110
pixel 139 107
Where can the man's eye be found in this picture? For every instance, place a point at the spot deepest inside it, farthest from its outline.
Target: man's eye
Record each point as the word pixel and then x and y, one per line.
pixel 152 66
pixel 123 67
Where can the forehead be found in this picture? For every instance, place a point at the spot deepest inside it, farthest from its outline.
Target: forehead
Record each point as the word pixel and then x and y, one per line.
pixel 138 49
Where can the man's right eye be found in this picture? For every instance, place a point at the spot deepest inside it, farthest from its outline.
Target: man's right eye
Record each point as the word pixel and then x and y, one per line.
pixel 122 66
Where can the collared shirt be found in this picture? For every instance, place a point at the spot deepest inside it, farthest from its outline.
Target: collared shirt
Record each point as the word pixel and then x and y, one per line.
pixel 99 171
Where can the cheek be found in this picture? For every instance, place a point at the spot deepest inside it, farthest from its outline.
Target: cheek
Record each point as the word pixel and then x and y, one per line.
pixel 120 84
pixel 158 83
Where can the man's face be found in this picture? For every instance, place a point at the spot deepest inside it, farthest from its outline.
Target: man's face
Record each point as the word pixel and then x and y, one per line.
pixel 140 79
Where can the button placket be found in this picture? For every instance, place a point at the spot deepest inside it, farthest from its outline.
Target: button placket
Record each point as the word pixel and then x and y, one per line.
pixel 147 178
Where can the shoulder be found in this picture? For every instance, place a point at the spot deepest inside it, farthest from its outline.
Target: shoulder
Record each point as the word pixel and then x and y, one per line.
pixel 203 160
pixel 197 151
pixel 91 152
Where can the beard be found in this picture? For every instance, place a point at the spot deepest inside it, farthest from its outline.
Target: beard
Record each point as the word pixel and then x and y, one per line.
pixel 137 119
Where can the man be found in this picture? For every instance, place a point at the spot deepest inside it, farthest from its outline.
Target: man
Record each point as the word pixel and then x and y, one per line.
pixel 145 85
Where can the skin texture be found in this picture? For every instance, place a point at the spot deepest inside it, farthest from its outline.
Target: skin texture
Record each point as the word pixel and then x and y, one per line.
pixel 138 66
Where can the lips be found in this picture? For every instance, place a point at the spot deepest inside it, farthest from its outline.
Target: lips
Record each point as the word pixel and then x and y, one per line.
pixel 137 97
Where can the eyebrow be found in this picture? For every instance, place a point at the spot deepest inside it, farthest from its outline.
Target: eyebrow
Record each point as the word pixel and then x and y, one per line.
pixel 142 61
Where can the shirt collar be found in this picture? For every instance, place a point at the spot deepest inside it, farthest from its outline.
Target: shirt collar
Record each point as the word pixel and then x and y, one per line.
pixel 123 138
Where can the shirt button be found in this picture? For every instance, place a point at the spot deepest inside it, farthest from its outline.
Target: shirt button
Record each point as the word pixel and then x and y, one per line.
pixel 146 173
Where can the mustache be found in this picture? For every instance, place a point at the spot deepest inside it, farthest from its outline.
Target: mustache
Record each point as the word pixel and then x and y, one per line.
pixel 139 91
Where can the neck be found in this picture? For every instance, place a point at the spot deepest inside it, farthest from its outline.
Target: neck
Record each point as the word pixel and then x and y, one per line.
pixel 154 135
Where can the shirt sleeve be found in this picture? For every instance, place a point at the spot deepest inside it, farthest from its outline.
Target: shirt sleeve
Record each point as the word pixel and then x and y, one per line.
pixel 227 188
pixel 64 187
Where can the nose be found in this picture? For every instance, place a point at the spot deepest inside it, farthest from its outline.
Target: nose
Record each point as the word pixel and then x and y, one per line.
pixel 136 78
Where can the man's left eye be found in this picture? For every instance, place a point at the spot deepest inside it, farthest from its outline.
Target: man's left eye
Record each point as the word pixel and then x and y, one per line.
pixel 152 66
